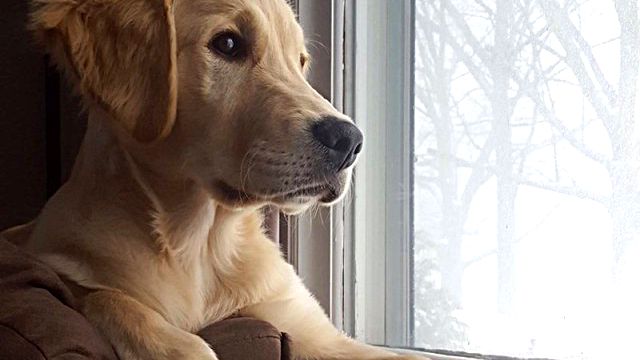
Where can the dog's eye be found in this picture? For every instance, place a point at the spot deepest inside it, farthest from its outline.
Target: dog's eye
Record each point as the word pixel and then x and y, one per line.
pixel 228 44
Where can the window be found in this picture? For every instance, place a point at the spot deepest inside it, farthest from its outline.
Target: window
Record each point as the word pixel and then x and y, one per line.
pixel 496 209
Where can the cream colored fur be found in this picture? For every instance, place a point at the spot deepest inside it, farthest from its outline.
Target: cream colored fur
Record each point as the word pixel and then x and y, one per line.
pixel 159 229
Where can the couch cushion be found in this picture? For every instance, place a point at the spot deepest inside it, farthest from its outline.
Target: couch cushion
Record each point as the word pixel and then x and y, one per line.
pixel 38 320
pixel 36 306
pixel 246 339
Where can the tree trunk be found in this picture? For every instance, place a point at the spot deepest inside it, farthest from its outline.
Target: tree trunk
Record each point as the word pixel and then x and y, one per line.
pixel 625 167
pixel 501 70
pixel 452 223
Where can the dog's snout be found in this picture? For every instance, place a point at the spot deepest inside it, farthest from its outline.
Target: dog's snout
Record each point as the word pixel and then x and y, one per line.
pixel 342 139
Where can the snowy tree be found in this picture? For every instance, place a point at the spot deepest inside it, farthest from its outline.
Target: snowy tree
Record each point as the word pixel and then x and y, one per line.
pixel 489 74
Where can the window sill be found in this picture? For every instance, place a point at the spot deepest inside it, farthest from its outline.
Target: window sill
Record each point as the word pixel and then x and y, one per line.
pixel 430 355
pixel 452 355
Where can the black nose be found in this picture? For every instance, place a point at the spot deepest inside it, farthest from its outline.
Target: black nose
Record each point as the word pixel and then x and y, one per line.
pixel 341 138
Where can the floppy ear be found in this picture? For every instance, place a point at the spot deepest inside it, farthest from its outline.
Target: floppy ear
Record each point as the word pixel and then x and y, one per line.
pixel 122 55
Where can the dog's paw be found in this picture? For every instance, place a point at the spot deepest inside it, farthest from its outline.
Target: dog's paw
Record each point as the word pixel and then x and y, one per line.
pixel 198 355
pixel 197 349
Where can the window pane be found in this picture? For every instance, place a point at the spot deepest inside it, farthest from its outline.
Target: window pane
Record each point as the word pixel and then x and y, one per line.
pixel 527 191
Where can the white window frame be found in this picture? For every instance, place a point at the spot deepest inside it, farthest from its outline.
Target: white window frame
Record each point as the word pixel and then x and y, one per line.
pixel 325 247
pixel 383 194
pixel 331 242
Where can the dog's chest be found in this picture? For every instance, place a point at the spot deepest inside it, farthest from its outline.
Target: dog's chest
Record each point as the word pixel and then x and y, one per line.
pixel 187 295
pixel 205 294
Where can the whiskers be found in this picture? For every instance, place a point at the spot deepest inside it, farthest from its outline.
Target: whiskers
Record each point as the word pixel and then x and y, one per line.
pixel 249 161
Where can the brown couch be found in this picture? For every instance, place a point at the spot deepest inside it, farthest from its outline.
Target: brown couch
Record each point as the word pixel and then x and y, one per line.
pixel 38 321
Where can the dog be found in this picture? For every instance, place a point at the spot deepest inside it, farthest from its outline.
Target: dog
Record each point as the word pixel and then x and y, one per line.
pixel 199 116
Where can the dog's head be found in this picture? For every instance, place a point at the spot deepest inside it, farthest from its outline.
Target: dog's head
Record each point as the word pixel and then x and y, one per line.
pixel 219 84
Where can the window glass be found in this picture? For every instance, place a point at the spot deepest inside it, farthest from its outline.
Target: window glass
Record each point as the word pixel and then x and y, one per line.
pixel 526 208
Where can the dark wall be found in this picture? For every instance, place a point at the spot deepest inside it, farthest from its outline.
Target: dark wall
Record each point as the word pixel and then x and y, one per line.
pixel 39 126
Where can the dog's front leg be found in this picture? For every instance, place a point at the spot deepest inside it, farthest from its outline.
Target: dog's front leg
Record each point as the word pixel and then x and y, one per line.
pixel 295 312
pixel 139 333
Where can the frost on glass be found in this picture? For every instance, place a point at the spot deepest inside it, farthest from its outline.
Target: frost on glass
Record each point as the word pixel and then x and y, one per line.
pixel 527 182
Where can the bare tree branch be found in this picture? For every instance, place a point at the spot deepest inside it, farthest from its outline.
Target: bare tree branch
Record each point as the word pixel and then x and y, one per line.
pixel 562 26
pixel 567 190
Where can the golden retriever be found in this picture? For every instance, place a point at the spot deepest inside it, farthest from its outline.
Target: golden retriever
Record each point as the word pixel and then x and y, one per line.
pixel 199 115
